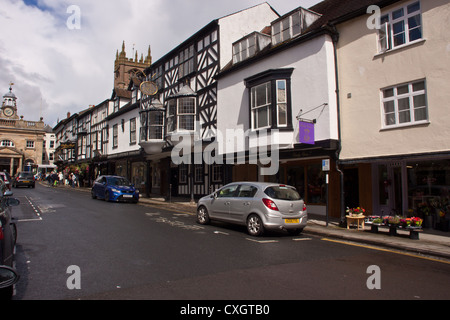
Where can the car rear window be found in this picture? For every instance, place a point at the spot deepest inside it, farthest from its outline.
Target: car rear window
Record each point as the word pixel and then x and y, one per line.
pixel 26 175
pixel 282 193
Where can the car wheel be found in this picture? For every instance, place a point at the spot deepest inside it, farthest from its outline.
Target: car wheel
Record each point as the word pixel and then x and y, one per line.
pixel 93 194
pixel 203 216
pixel 255 225
pixel 106 196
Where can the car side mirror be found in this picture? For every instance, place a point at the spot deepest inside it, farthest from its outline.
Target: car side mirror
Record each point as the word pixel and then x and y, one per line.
pixel 8 277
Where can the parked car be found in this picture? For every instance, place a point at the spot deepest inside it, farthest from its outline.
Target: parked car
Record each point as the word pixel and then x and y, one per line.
pixel 114 188
pixel 8 237
pixel 24 179
pixel 6 179
pixel 258 205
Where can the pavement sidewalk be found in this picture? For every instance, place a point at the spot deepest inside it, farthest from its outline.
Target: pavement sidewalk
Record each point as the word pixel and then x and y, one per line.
pixel 431 243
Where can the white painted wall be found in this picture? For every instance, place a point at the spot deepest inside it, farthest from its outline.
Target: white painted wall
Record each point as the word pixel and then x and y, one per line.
pixel 239 24
pixel 124 136
pixel 312 84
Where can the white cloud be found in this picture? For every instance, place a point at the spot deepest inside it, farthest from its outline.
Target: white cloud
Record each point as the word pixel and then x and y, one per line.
pixel 58 70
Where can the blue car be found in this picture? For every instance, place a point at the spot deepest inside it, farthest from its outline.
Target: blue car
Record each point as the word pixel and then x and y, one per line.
pixel 114 188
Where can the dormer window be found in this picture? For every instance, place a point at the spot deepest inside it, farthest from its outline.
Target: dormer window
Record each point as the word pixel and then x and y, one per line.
pixel 248 46
pixel 292 24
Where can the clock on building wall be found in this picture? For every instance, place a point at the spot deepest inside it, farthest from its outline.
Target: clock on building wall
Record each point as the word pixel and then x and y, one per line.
pixel 9 112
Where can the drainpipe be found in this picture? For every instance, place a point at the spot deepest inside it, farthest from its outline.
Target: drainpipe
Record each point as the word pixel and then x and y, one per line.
pixel 335 39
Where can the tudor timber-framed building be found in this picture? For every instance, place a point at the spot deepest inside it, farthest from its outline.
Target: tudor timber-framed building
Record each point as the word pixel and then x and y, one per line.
pixel 187 101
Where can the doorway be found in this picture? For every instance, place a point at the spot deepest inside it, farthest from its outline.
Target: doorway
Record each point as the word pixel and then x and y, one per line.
pixel 392 191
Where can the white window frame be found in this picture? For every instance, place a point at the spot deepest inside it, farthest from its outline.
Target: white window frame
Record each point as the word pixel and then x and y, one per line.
pixel 7 143
pixel 30 144
pixel 287 28
pixel 401 104
pixel 281 100
pixel 115 136
pixel 257 107
pixel 386 36
pixel 133 131
pixel 176 113
pixel 156 125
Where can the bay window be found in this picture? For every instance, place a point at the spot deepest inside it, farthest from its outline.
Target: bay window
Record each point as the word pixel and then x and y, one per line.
pixel 181 114
pixel 270 105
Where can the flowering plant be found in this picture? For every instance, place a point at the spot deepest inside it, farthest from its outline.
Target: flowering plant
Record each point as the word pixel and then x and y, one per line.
pixel 394 220
pixel 355 211
pixel 411 222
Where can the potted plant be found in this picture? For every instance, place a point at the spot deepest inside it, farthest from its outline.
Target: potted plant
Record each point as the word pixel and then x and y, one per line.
pixel 355 212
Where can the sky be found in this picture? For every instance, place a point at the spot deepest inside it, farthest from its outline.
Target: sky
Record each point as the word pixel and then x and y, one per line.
pixel 60 54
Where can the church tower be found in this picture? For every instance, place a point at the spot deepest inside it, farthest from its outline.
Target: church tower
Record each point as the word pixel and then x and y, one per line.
pixel 125 67
pixel 9 105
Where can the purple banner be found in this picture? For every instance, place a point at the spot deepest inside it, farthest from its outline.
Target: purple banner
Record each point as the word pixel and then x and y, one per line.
pixel 306 132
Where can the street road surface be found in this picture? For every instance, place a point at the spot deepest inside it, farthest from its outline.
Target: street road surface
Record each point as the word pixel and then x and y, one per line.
pixel 73 247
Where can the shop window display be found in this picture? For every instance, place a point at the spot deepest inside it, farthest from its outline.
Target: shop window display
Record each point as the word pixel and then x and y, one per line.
pixel 429 192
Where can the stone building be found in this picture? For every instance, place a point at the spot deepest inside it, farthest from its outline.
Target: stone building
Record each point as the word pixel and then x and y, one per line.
pixel 21 141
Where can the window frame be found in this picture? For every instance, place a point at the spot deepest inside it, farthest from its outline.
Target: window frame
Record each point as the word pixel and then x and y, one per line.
pixel 284 28
pixel 386 33
pixel 176 113
pixel 274 77
pixel 133 131
pixel 397 110
pixel 115 135
pixel 156 129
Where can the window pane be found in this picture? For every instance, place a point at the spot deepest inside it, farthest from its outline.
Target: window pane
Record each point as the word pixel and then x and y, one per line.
pixel 186 122
pixel 262 117
pixel 420 114
pixel 414 7
pixel 415 34
pixel 390 119
pixel 388 93
pixel 397 14
pixel 414 22
pixel 296 26
pixel 403 89
pixel 403 104
pixel 419 101
pixel 281 91
pixel 389 106
pixel 282 118
pixel 419 86
pixel 404 117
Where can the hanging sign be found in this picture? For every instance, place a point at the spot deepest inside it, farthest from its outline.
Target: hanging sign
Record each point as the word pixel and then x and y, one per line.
pixel 306 132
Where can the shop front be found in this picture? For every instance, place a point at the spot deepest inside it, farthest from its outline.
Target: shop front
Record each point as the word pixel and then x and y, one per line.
pixel 409 187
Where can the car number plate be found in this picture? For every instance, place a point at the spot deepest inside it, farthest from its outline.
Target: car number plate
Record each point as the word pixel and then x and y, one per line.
pixel 127 196
pixel 25 181
pixel 292 220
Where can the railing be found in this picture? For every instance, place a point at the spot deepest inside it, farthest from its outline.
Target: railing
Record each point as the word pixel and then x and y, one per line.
pixel 22 124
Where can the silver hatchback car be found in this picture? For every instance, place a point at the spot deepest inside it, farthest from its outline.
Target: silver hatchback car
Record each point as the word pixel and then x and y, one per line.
pixel 258 205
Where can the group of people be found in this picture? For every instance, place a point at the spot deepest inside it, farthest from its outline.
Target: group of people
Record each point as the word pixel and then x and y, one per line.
pixel 58 178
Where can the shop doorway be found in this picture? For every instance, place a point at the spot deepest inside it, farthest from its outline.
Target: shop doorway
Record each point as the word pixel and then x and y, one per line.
pixel 392 189
pixel 351 187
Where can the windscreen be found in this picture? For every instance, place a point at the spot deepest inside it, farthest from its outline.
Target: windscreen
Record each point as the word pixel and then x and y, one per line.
pixel 282 193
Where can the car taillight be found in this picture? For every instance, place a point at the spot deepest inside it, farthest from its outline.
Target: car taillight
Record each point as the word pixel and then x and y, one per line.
pixel 270 204
pixel 304 207
pixel 1 232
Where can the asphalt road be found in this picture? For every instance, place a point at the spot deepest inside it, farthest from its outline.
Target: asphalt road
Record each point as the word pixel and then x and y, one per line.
pixel 73 247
